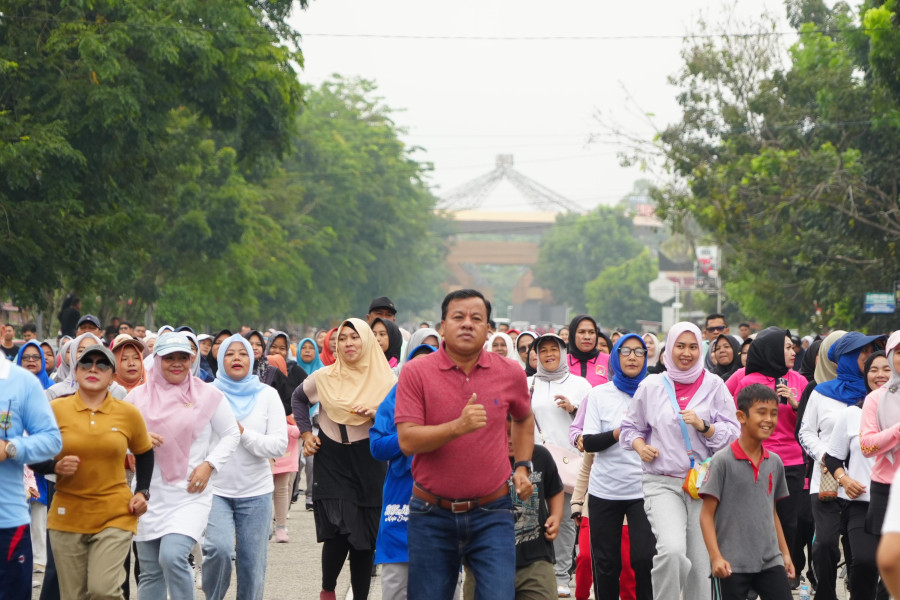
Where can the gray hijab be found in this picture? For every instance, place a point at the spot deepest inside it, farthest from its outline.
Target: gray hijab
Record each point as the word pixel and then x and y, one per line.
pixel 562 369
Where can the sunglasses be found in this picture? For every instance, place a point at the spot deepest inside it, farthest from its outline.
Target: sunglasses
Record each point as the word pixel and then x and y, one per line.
pixel 716 328
pixel 31 358
pixel 102 364
pixel 624 351
pixel 522 349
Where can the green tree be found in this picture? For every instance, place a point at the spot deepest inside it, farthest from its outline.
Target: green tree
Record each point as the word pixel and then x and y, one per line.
pixel 94 94
pixel 619 297
pixel 578 248
pixel 791 167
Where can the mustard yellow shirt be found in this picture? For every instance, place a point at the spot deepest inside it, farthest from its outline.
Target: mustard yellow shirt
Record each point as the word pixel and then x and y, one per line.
pixel 97 495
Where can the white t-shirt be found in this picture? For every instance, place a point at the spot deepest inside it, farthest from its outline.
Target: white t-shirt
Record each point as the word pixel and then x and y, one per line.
pixel 265 437
pixel 815 432
pixel 844 442
pixel 171 508
pixel 555 421
pixel 616 473
pixel 892 515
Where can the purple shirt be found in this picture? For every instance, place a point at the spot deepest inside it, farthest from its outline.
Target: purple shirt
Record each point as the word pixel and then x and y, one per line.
pixel 652 417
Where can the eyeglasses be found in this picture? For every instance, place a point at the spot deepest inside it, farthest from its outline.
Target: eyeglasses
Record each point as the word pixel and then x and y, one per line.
pixel 102 364
pixel 715 328
pixel 625 351
pixel 31 358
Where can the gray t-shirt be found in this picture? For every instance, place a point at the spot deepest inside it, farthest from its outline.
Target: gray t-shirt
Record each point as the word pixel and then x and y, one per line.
pixel 745 526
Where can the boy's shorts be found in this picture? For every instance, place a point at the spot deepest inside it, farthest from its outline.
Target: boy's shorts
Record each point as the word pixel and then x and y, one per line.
pixel 770 584
pixel 536 581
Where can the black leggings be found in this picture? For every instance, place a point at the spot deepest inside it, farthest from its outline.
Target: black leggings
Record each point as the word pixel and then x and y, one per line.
pixel 788 509
pixel 606 521
pixel 334 553
pixel 864 582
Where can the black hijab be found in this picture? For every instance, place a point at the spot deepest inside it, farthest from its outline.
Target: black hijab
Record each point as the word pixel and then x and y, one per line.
pixel 766 354
pixel 261 367
pixel 529 370
pixel 582 357
pixel 868 366
pixel 211 357
pixel 395 338
pixel 725 371
pixel 808 365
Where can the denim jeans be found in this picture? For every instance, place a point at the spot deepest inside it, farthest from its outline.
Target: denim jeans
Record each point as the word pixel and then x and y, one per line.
pixel 165 567
pixel 440 540
pixel 241 526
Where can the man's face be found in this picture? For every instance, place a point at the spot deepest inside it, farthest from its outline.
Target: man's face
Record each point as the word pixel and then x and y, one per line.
pixel 466 326
pixel 503 327
pixel 380 313
pixel 245 330
pixel 28 336
pixel 88 327
pixel 126 328
pixel 744 331
pixel 140 332
pixel 8 333
pixel 715 328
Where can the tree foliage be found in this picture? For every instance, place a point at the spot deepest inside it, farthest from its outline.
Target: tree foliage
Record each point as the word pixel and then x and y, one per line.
pixel 580 247
pixel 618 296
pixel 787 157
pixel 159 154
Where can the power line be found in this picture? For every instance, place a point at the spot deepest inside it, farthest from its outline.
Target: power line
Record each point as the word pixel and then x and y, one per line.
pixel 262 30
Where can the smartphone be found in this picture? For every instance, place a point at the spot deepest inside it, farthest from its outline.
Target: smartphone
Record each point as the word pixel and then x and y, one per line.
pixel 782 381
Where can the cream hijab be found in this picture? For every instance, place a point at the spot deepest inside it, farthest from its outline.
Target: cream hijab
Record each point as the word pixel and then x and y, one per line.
pixel 825 369
pixel 366 382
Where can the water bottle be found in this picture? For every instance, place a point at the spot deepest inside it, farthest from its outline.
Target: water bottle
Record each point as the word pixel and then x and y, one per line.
pixel 804 593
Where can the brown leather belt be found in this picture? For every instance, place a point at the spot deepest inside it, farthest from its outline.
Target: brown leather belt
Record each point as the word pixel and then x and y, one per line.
pixel 459 506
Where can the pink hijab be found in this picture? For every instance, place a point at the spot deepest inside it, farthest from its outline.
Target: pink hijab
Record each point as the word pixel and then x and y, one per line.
pixel 178 413
pixel 678 376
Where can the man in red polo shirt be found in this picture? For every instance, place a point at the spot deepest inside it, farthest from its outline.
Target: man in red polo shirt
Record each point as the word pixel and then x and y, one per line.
pixel 451 414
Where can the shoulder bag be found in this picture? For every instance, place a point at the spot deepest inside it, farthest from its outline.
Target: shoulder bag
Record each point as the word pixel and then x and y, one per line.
pixel 568 461
pixel 695 475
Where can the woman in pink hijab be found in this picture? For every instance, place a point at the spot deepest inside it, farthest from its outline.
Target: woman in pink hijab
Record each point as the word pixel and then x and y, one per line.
pixel 688 396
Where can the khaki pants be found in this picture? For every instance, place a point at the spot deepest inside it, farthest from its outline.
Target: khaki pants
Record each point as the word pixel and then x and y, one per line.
pixel 91 566
pixel 536 581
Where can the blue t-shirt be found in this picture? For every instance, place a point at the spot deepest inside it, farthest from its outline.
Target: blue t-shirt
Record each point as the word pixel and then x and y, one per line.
pixel 23 407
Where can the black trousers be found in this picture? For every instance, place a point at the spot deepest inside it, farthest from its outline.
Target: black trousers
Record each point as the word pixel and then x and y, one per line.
pixel 864 582
pixel 789 508
pixel 770 584
pixel 606 520
pixel 829 518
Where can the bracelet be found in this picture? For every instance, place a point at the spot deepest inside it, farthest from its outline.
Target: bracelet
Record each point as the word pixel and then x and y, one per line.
pixel 844 474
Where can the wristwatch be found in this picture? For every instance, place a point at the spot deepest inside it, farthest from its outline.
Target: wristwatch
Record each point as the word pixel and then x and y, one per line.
pixel 706 426
pixel 146 494
pixel 11 450
pixel 524 463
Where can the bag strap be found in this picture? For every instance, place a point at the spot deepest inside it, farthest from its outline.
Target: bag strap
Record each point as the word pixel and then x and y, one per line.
pixel 684 431
pixel 530 401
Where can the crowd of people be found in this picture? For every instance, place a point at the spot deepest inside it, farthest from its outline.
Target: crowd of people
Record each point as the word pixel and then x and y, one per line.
pixel 466 460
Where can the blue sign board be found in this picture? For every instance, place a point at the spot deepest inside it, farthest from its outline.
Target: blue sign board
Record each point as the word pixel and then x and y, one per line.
pixel 880 303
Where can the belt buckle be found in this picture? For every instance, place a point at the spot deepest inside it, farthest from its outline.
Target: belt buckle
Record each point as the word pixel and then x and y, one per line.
pixel 460 506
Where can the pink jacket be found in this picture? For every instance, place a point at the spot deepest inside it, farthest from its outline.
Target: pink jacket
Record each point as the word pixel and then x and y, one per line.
pixel 782 441
pixel 879 443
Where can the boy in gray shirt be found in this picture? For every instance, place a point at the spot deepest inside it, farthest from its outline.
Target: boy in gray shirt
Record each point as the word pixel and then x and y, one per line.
pixel 740 526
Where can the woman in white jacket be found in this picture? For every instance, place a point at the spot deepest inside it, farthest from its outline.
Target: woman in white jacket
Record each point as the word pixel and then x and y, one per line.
pixel 556 395
pixel 241 514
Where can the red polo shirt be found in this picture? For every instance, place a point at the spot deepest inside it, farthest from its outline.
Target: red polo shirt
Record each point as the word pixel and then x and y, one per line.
pixel 433 390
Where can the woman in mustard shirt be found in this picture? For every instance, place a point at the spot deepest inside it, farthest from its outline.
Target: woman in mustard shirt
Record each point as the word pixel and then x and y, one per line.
pixel 94 513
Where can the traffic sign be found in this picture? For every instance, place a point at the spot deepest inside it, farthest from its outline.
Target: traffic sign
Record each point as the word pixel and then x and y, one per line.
pixel 662 289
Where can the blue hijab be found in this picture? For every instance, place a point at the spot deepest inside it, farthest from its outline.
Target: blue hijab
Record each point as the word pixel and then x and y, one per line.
pixel 849 386
pixel 623 382
pixel 241 394
pixel 42 375
pixel 316 363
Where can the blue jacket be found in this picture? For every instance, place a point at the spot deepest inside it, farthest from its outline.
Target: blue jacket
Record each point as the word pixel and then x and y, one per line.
pixel 23 407
pixel 391 545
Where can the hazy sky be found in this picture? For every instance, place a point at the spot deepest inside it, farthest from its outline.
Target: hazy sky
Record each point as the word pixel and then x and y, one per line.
pixel 465 101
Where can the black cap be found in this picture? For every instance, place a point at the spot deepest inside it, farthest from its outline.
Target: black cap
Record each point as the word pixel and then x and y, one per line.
pixel 383 302
pixel 89 319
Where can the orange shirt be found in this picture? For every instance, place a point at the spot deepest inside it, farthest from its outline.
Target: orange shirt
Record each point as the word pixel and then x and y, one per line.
pixel 97 495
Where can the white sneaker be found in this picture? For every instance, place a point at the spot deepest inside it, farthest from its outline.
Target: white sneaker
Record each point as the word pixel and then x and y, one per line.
pixel 563 591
